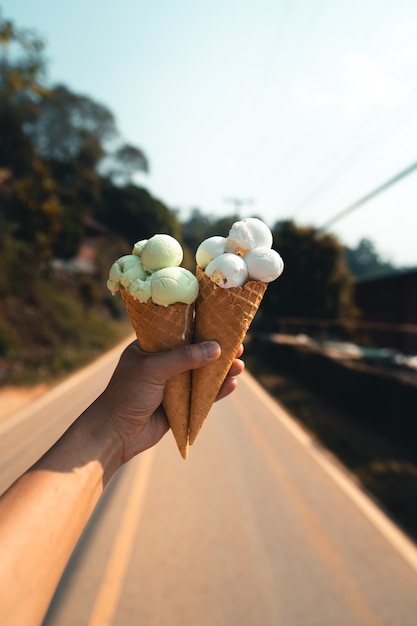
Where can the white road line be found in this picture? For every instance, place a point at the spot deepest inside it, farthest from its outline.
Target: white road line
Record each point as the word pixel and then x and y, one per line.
pixel 404 546
pixel 108 594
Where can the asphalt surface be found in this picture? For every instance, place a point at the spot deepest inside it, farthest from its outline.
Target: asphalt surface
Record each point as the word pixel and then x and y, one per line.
pixel 257 527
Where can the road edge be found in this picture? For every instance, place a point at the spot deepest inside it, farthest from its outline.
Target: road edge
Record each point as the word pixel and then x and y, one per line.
pixel 390 531
pixel 69 383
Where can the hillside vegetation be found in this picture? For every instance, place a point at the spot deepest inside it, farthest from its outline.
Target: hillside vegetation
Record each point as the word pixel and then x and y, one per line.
pixel 69 207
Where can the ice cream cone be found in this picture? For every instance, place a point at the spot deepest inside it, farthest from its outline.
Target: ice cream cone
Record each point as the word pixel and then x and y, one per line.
pixel 222 315
pixel 158 329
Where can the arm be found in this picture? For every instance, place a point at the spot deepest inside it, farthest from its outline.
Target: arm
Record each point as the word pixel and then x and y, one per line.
pixel 44 513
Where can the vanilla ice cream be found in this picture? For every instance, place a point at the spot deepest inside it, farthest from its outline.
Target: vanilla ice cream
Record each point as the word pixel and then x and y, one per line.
pixel 227 270
pixel 208 250
pixel 264 264
pixel 248 234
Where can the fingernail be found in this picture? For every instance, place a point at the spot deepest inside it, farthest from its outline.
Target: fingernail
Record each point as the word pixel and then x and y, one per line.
pixel 211 349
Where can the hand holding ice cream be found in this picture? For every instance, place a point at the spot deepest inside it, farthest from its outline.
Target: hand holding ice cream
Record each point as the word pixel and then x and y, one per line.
pixel 233 273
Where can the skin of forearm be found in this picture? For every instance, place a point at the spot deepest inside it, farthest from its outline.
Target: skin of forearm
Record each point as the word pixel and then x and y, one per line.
pixel 43 514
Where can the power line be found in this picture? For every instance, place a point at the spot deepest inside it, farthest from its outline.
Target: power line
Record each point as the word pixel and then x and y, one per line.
pixel 373 141
pixel 390 183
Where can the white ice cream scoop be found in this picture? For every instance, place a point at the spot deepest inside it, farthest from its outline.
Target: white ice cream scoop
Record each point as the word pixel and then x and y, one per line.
pixel 208 250
pixel 227 270
pixel 248 234
pixel 264 264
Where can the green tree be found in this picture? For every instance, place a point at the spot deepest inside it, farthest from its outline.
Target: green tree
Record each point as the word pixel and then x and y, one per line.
pixel 29 206
pixel 134 213
pixel 315 283
pixel 82 125
pixel 22 76
pixel 200 226
pixel 22 64
pixel 88 139
pixel 124 163
pixel 364 261
pixel 33 213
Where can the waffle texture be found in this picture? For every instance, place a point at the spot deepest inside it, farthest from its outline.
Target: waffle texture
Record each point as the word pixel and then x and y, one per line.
pixel 158 329
pixel 222 315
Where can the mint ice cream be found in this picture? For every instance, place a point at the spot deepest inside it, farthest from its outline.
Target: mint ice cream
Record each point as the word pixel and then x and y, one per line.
pixel 161 251
pixel 173 284
pixel 124 271
pixel 152 272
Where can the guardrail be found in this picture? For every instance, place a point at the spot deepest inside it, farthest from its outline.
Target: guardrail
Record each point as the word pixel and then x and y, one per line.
pixel 401 337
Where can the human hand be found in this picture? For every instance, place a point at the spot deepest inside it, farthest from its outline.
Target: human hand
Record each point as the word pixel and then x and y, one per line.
pixel 132 399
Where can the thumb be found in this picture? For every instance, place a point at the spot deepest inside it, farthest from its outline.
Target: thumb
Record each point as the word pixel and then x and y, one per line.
pixel 168 364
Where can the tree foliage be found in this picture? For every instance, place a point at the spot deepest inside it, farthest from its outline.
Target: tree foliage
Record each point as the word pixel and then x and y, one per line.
pixel 71 126
pixel 54 191
pixel 315 283
pixel 364 261
pixel 200 226
pixel 134 213
pixel 124 163
pixel 63 165
pixel 53 143
pixel 22 65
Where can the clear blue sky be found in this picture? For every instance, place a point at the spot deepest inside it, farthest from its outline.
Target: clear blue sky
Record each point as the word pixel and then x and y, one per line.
pixel 301 106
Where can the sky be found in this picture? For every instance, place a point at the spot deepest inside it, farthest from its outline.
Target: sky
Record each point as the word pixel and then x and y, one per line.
pixel 294 109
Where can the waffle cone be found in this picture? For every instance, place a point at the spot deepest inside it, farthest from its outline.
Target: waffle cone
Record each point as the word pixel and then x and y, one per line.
pixel 158 329
pixel 222 315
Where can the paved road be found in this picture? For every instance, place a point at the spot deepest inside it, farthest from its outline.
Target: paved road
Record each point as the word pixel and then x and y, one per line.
pixel 255 528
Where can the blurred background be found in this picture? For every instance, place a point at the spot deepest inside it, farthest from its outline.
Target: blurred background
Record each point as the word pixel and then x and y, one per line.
pixel 119 121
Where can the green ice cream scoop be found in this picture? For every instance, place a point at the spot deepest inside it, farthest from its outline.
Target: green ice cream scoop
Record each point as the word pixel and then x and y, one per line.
pixel 161 251
pixel 125 271
pixel 173 284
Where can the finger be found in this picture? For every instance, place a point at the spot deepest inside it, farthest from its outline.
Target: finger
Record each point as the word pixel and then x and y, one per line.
pixel 236 368
pixel 227 388
pixel 240 351
pixel 164 365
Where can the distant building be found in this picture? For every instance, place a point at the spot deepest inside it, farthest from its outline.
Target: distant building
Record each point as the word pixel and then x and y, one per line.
pixel 84 262
pixel 389 305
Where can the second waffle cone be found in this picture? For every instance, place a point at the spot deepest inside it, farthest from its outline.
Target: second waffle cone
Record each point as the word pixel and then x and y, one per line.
pixel 222 315
pixel 158 329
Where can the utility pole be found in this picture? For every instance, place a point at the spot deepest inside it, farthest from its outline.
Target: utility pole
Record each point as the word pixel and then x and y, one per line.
pixel 238 203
